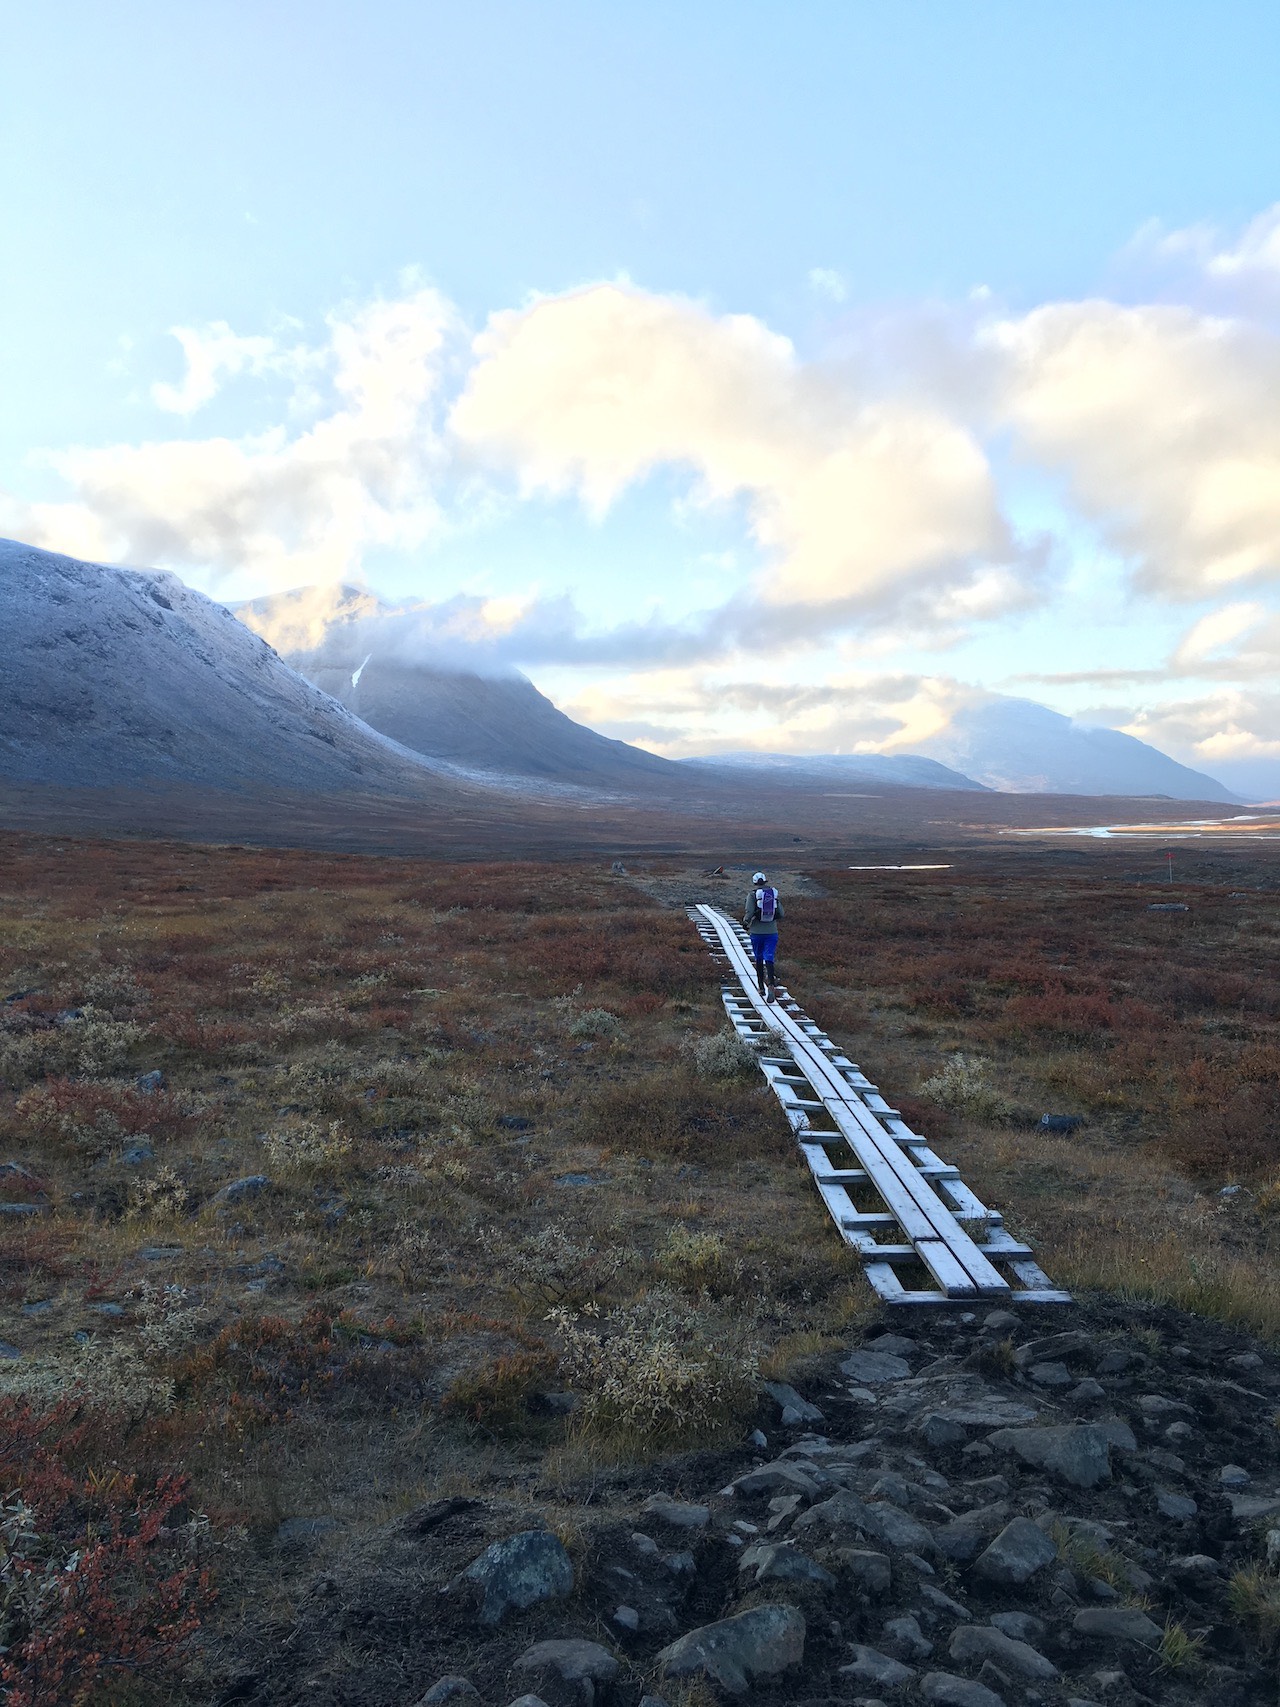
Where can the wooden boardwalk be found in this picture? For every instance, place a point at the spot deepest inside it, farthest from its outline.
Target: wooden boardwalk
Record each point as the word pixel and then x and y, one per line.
pixel 923 1237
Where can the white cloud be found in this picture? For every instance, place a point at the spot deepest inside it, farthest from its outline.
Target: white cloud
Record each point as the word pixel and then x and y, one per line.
pixel 861 502
pixel 826 281
pixel 1166 423
pixel 288 504
pixel 212 354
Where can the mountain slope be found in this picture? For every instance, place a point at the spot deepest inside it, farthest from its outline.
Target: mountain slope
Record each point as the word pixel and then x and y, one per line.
pixel 1024 748
pixel 493 724
pixel 117 677
pixel 906 770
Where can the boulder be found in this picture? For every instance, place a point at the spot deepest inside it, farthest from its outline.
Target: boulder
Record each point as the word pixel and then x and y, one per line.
pixel 777 1478
pixel 1117 1624
pixel 1179 1508
pixel 1054 1348
pixel 795 1409
pixel 869 1665
pixel 1078 1453
pixel 449 1689
pixel 944 1689
pixel 758 1643
pixel 964 1537
pixel 973 1644
pixel 1022 1626
pixel 783 1563
pixel 1017 1553
pixel 873 1368
pixel 252 1185
pixel 578 1664
pixel 676 1512
pixel 906 1639
pixel 519 1572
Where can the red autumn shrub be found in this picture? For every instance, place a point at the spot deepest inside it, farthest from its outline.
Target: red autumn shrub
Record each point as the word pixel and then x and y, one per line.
pixel 94 1580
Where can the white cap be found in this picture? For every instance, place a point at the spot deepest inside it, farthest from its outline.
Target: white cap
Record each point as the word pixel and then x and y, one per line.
pixel 759 877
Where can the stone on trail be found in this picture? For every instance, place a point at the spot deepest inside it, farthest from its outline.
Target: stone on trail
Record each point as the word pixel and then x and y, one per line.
pixel 872 1368
pixel 677 1513
pixel 965 1536
pixel 944 1689
pixel 973 1644
pixel 450 1689
pixel 1080 1453
pixel 870 1571
pixel 780 1562
pixel 1178 1507
pixel 1117 1624
pixel 252 1185
pixel 528 1701
pixel 1234 1476
pixel 869 1665
pixel 897 1345
pixel 757 1643
pixel 575 1662
pixel 519 1572
pixel 1200 1565
pixel 1017 1553
pixel 776 1478
pixel 795 1409
pixel 906 1638
pixel 1022 1626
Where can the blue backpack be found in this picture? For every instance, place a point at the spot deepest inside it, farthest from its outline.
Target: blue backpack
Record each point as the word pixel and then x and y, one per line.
pixel 766 901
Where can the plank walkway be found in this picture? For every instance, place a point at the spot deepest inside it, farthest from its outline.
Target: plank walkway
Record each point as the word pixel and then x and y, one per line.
pixel 923 1237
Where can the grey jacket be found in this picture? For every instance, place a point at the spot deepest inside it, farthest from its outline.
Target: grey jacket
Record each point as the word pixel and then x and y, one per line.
pixel 752 920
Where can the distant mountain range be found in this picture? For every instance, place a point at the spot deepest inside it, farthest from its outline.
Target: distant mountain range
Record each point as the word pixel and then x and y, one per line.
pixel 492 725
pixel 118 677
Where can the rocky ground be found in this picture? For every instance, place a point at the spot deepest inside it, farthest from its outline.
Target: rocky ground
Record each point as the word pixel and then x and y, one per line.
pixel 1051 1507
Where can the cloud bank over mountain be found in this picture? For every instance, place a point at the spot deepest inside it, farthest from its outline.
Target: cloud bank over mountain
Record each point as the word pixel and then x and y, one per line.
pixel 961 482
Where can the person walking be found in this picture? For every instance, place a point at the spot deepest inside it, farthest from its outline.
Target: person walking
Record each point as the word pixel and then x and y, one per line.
pixel 764 909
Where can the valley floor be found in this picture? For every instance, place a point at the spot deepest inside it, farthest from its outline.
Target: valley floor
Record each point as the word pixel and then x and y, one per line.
pixel 343 1185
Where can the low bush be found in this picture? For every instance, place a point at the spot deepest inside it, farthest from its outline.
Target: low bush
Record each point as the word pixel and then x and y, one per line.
pixel 962 1086
pixel 724 1055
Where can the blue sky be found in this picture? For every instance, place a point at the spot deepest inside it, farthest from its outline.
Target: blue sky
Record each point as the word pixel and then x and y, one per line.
pixel 942 228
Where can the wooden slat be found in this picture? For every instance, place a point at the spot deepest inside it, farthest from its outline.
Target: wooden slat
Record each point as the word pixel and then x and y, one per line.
pixel 925 1198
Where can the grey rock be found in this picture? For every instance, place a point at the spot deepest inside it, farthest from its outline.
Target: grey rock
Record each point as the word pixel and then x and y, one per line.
pixel 897 1345
pixel 870 1571
pixel 135 1154
pixel 626 1618
pixel 759 1441
pixel 1273 1549
pixel 449 1689
pixel 1179 1433
pixel 869 1665
pixel 160 1253
pixel 779 1478
pixel 42 1307
pixel 941 1602
pixel 252 1185
pixel 1194 1565
pixel 573 1661
pixel 1017 1553
pixel 758 1643
pixel 1051 1375
pixel 1248 1508
pixel 944 1689
pixel 528 1701
pixel 108 1309
pixel 519 1572
pixel 1163 1460
pixel 1234 1476
pixel 989 1413
pixel 1244 1361
pixel 874 1368
pixel 974 1643
pixel 1087 1392
pixel 1156 1406
pixel 1180 1508
pixel 652 1701
pixel 795 1409
pixel 780 1562
pixel 1117 1624
pixel 305 1531
pixel 1080 1453
pixel 939 1431
pixel 20 1210
pixel 9 1353
pixel 904 1637
pixel 1002 1322
pixel 1022 1626
pixel 1054 1348
pixel 149 1083
pixel 676 1512
pixel 964 1538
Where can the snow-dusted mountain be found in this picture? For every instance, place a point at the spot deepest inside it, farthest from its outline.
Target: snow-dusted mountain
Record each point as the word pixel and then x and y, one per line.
pixel 827 770
pixel 361 652
pixel 120 676
pixel 1020 747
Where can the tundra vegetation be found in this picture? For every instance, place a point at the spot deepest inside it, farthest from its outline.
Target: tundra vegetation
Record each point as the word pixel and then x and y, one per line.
pixel 326 1181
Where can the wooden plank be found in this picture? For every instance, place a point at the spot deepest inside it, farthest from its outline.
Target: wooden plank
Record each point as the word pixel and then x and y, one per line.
pixel 924 1196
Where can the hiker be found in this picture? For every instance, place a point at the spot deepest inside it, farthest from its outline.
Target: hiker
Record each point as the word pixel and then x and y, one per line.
pixel 764 909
